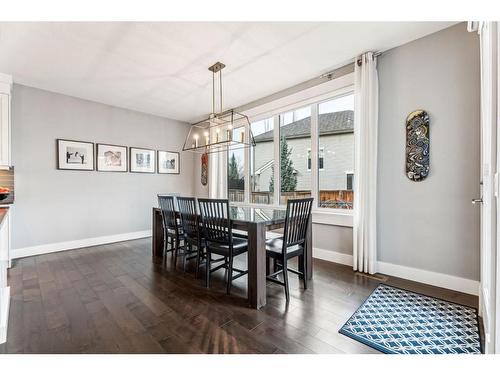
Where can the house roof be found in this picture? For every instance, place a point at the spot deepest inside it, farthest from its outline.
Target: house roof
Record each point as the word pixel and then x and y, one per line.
pixel 329 123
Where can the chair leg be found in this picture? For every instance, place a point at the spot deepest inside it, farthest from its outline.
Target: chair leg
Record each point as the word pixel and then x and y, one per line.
pixel 198 256
pixel 303 270
pixel 229 274
pixel 207 277
pixel 165 248
pixel 185 252
pixel 275 265
pixel 285 280
pixel 176 250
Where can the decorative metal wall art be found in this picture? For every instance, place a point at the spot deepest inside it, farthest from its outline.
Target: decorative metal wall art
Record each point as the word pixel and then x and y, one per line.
pixel 417 145
pixel 204 169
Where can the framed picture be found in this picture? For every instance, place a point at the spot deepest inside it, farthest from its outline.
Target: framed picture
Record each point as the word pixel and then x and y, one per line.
pixel 111 158
pixel 142 160
pixel 168 162
pixel 75 155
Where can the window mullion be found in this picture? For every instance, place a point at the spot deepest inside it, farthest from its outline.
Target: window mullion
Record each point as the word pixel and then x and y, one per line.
pixel 314 154
pixel 277 163
pixel 246 165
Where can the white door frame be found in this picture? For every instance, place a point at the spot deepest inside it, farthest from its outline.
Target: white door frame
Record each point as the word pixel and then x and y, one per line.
pixel 488 293
pixel 496 183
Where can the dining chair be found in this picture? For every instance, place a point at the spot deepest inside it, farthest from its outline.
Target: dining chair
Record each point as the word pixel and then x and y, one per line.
pixel 172 229
pixel 191 229
pixel 291 244
pixel 217 230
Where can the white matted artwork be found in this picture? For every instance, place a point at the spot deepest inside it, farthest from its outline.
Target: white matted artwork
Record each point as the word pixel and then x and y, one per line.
pixel 111 158
pixel 75 155
pixel 168 162
pixel 142 160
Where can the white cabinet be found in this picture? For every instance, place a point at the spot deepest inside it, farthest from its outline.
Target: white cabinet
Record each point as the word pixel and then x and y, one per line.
pixel 4 129
pixel 5 119
pixel 5 162
pixel 4 261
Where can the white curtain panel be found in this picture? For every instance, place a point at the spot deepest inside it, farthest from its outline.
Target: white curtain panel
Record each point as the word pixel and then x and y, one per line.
pixel 217 175
pixel 365 179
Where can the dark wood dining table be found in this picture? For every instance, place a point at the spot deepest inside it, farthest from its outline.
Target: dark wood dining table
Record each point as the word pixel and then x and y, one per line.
pixel 256 222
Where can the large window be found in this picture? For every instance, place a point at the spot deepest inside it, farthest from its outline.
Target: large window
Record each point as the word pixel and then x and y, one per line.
pixel 235 170
pixel 295 141
pixel 336 139
pixel 262 162
pixel 299 165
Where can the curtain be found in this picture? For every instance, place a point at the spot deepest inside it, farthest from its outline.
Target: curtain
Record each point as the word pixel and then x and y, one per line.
pixel 217 175
pixel 365 179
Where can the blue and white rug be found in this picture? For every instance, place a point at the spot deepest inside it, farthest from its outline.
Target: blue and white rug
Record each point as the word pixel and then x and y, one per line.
pixel 397 321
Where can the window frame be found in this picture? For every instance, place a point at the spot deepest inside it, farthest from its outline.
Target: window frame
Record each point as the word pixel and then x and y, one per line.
pixel 312 97
pixel 309 152
pixel 347 174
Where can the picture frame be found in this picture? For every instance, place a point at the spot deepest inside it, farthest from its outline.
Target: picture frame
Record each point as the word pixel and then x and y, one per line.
pixel 142 160
pixel 74 155
pixel 111 158
pixel 168 162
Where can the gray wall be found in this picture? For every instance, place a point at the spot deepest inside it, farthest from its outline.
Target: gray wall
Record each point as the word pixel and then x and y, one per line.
pixel 431 224
pixel 54 205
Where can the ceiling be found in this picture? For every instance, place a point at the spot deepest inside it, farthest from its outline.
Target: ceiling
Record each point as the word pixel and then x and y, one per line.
pixel 161 67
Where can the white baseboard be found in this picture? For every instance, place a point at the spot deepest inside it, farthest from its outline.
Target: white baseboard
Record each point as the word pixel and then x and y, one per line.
pixel 442 280
pixel 4 313
pixel 422 276
pixel 332 256
pixel 77 244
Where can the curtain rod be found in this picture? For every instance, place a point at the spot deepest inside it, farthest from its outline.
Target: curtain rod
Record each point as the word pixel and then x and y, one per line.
pixel 331 74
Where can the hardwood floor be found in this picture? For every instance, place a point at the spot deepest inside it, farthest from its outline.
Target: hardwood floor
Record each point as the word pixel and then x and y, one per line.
pixel 115 299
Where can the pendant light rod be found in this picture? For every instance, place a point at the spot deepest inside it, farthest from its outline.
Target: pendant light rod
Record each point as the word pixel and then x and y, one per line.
pixel 217 68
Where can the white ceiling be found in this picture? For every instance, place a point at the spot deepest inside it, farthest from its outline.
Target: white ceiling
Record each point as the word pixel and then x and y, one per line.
pixel 161 68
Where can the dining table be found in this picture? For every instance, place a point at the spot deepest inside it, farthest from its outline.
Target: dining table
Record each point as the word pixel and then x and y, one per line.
pixel 256 222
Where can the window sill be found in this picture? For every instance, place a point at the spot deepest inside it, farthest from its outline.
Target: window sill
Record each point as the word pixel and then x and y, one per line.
pixel 319 216
pixel 332 218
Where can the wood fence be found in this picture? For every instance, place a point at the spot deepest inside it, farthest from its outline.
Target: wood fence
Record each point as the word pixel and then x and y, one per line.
pixel 327 198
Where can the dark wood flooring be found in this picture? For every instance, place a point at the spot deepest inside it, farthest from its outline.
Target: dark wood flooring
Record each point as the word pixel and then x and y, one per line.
pixel 115 299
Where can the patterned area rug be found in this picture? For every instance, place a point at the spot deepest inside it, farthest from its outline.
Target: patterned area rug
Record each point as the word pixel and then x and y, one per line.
pixel 397 321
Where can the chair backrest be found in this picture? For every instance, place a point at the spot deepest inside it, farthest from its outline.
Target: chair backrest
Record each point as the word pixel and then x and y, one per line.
pixel 167 206
pixel 298 212
pixel 215 218
pixel 175 195
pixel 189 216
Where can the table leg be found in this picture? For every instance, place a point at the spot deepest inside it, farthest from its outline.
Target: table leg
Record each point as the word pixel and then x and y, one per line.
pixel 256 265
pixel 157 233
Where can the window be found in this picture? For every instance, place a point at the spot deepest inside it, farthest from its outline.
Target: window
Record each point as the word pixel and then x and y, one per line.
pixel 350 180
pixel 235 170
pixel 262 162
pixel 321 159
pixel 295 141
pixel 336 144
pixel 281 165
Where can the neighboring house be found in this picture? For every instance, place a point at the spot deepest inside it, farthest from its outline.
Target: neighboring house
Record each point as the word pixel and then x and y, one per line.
pixel 336 155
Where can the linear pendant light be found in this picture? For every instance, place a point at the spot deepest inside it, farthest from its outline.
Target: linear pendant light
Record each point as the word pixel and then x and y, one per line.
pixel 221 130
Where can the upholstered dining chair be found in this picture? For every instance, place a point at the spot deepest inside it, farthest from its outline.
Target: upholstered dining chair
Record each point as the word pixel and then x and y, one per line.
pixel 291 244
pixel 217 230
